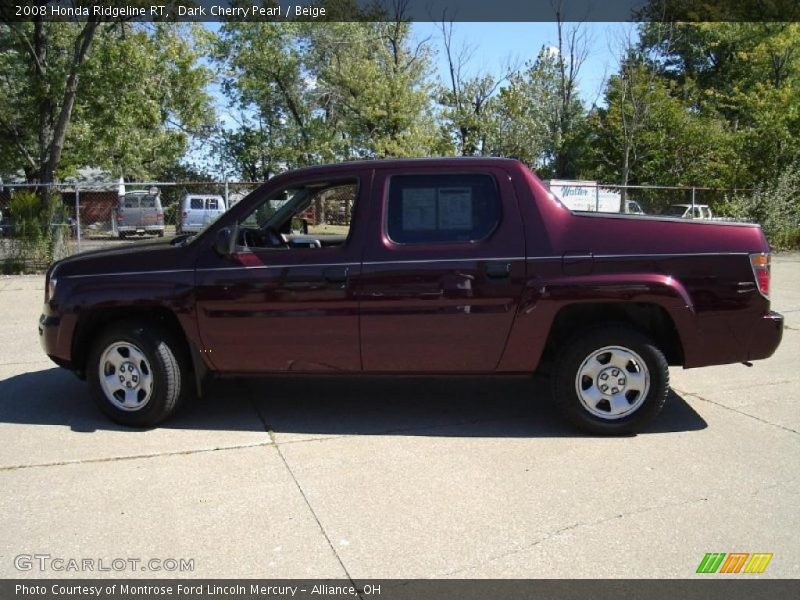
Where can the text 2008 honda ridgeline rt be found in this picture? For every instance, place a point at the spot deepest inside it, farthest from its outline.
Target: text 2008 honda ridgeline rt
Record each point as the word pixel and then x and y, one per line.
pixel 442 266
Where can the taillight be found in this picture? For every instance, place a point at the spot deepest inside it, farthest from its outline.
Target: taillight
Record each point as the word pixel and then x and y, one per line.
pixel 159 215
pixel 185 214
pixel 119 217
pixel 760 264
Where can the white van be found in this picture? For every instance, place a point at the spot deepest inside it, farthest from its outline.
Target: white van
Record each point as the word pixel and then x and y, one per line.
pixel 198 210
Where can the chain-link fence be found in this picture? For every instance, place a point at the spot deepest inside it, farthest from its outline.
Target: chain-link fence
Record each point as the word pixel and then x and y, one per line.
pixel 39 224
pixel 80 217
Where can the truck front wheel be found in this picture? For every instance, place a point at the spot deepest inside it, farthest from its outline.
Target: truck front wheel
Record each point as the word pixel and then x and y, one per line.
pixel 611 380
pixel 137 374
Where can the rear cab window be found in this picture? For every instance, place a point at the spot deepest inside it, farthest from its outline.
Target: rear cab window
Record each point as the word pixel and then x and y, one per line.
pixel 442 208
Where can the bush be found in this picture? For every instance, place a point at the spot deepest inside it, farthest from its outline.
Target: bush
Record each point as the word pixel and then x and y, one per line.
pixel 39 234
pixel 172 214
pixel 776 206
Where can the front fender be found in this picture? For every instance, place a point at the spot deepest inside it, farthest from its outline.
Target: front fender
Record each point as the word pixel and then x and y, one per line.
pixel 82 300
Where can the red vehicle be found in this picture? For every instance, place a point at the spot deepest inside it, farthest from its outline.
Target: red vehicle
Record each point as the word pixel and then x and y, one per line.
pixel 446 266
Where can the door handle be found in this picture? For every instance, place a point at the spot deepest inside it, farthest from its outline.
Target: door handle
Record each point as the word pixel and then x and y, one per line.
pixel 498 270
pixel 335 274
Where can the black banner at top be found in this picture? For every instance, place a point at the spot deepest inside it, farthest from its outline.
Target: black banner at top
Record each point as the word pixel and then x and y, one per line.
pixel 412 10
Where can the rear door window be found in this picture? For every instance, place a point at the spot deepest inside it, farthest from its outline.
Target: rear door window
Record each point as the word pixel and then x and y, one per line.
pixel 130 202
pixel 196 204
pixel 212 204
pixel 442 208
pixel 148 202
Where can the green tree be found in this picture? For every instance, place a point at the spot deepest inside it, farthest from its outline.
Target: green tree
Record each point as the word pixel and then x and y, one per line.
pixel 121 96
pixel 308 93
pixel 266 83
pixel 376 83
pixel 646 135
pixel 529 126
pixel 747 74
pixel 468 116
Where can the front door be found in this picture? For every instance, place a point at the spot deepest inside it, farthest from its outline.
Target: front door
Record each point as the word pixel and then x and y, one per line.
pixel 285 301
pixel 443 271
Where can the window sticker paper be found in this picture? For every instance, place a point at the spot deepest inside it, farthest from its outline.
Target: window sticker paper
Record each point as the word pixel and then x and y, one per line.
pixel 419 209
pixel 455 208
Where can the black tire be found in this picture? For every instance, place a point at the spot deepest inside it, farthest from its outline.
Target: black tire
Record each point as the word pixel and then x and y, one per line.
pixel 122 235
pixel 598 417
pixel 160 234
pixel 165 364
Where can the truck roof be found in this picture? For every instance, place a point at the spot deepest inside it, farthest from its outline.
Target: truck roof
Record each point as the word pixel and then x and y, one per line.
pixel 409 162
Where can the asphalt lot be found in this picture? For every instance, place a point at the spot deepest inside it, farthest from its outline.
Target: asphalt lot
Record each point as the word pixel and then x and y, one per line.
pixel 399 478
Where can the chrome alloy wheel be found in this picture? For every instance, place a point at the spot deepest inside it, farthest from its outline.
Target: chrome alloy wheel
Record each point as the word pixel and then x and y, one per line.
pixel 125 376
pixel 612 382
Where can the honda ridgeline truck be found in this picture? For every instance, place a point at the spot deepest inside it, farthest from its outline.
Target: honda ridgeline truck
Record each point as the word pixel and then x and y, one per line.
pixel 446 266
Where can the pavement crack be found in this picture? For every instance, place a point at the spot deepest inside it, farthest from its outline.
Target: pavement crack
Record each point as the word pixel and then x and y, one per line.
pixel 271 434
pixel 741 412
pixel 105 459
pixel 556 532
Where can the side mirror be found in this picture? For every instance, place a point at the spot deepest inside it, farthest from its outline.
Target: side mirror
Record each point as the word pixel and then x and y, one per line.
pixel 224 242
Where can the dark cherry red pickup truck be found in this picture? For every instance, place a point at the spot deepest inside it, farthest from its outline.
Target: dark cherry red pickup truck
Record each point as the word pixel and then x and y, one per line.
pixel 440 266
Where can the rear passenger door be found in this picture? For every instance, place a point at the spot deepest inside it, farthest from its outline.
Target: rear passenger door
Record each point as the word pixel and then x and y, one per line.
pixel 443 271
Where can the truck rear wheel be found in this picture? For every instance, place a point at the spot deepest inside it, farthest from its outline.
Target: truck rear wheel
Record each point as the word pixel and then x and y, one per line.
pixel 611 380
pixel 137 374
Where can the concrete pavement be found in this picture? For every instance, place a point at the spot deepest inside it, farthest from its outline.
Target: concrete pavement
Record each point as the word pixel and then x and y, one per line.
pixel 399 478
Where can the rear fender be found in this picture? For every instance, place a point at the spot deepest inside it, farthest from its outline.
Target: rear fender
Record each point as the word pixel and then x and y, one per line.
pixel 543 299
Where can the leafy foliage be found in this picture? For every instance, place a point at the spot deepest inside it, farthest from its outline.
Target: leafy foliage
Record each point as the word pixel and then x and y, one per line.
pixel 38 233
pixel 776 206
pixel 116 95
pixel 532 125
pixel 700 104
pixel 309 93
